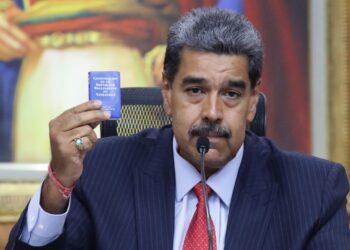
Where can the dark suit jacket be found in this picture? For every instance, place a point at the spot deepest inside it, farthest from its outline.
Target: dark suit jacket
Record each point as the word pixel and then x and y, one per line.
pixel 125 199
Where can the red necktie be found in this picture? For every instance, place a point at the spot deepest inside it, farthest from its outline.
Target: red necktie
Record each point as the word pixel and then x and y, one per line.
pixel 197 234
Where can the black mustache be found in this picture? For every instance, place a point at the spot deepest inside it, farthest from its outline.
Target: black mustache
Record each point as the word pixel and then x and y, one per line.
pixel 205 128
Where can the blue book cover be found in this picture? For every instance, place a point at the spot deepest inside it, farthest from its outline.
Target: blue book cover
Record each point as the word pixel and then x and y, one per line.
pixel 105 86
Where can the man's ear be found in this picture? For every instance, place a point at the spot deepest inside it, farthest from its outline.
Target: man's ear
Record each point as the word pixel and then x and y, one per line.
pixel 253 101
pixel 166 93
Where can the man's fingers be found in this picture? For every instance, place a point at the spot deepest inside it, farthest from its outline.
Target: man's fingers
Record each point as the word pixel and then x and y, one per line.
pixel 82 131
pixel 86 106
pixel 92 137
pixel 94 124
pixel 85 132
pixel 83 144
pixel 84 118
pixel 72 136
pixel 77 122
pixel 86 113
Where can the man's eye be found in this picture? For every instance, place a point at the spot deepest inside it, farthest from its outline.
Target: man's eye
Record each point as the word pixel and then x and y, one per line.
pixel 194 91
pixel 232 94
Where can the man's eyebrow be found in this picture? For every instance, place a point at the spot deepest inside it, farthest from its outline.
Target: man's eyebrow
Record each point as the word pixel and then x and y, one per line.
pixel 193 80
pixel 200 80
pixel 237 84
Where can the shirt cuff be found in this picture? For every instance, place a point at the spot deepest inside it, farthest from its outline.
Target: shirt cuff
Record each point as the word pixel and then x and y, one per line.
pixel 42 227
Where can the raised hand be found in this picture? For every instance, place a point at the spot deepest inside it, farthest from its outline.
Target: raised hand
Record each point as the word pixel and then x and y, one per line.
pixel 67 153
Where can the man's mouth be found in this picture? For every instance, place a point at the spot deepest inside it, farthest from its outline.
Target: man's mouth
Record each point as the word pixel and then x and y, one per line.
pixel 213 134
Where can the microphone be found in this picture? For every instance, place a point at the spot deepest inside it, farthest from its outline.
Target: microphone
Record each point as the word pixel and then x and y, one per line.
pixel 203 144
pixel 203 148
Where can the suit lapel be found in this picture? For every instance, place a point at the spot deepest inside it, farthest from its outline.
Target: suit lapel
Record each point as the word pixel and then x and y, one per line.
pixel 251 207
pixel 253 198
pixel 154 183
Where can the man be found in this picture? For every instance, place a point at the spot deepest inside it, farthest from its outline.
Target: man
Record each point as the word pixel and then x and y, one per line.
pixel 140 192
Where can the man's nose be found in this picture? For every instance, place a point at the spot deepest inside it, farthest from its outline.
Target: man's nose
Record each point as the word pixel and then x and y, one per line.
pixel 212 108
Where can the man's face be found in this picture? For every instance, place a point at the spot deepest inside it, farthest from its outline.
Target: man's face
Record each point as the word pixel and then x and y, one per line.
pixel 211 96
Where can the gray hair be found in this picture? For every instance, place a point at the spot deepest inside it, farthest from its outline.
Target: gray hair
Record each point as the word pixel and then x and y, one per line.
pixel 214 30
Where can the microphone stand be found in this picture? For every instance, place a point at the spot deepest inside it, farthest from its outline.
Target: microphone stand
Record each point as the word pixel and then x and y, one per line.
pixel 202 151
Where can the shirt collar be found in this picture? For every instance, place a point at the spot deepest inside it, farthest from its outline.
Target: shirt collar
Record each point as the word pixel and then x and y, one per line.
pixel 222 182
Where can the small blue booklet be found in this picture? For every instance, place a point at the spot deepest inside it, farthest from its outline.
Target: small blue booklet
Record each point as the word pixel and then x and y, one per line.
pixel 105 86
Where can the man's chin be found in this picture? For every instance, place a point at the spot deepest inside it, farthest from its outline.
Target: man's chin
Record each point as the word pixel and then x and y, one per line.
pixel 213 159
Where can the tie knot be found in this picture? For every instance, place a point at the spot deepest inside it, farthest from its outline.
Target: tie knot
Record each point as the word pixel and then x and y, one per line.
pixel 198 190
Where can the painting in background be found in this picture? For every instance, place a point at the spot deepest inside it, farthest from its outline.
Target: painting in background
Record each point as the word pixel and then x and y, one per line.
pixel 77 36
pixel 284 28
pixel 72 38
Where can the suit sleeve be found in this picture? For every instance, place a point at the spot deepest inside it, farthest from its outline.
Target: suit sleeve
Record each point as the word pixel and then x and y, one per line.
pixel 332 231
pixel 77 232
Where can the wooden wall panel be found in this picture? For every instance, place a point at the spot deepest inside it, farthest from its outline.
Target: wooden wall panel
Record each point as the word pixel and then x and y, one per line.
pixel 339 82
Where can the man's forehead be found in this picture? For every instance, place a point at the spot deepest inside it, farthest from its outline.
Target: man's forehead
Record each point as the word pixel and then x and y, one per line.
pixel 193 58
pixel 199 67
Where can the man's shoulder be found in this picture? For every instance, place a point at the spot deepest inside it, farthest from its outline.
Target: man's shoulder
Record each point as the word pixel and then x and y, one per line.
pixel 299 176
pixel 291 161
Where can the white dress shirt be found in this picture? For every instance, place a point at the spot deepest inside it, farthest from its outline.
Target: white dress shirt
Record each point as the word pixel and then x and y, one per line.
pixel 42 228
pixel 222 182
